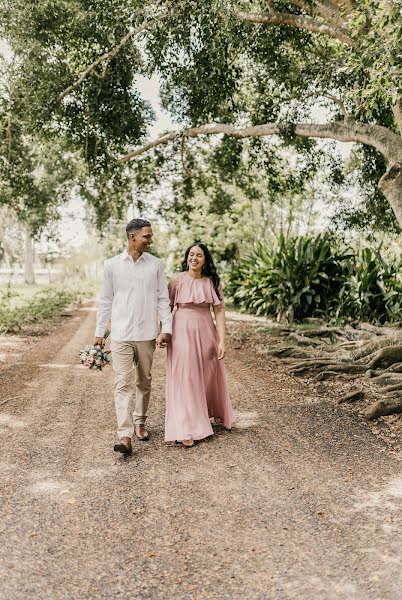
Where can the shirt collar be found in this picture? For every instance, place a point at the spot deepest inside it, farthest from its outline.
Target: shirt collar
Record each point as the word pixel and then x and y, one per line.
pixel 126 255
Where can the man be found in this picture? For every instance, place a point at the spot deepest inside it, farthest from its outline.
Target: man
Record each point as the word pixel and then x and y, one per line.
pixel 135 295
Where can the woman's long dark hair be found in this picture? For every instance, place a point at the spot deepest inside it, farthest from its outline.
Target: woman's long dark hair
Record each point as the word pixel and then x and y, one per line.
pixel 208 268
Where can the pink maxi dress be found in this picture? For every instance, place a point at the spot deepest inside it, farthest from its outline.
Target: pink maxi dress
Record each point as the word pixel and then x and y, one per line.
pixel 196 389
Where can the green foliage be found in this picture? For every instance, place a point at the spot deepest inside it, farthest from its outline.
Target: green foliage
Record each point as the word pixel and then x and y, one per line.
pixel 314 277
pixel 372 290
pixel 368 211
pixel 295 280
pixel 44 305
pixel 213 66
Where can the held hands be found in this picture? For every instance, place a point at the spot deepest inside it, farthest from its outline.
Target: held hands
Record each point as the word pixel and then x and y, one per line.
pixel 162 340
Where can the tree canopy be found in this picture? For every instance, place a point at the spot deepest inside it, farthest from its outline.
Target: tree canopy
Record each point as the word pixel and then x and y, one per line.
pixel 239 70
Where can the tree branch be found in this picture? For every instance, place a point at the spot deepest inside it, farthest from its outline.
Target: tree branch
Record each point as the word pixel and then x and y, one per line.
pixel 397 110
pixel 377 136
pixel 183 155
pixel 346 115
pixel 299 22
pixel 104 57
pixel 321 9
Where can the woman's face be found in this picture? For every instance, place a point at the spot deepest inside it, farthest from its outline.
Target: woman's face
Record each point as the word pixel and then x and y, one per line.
pixel 196 259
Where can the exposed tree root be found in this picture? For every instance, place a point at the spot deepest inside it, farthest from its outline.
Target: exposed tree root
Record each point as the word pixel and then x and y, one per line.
pixel 388 379
pixel 353 396
pixel 371 347
pixel 383 407
pixel 386 357
pixel 331 332
pixel 289 352
pixel 325 375
pixel 328 365
pixel 365 350
pixel 392 388
pixel 303 341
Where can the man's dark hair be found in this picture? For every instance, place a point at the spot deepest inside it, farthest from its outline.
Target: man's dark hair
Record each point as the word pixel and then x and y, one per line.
pixel 136 225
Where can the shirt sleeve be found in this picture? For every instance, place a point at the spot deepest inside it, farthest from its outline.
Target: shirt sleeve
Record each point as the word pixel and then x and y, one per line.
pixel 105 301
pixel 164 312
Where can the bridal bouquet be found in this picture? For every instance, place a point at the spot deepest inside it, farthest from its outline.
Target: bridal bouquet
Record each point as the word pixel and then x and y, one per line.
pixel 94 357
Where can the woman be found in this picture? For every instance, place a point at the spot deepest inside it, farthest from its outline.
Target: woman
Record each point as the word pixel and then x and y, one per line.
pixel 196 390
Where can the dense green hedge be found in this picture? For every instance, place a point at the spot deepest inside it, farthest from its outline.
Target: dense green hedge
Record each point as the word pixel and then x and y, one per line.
pixel 45 304
pixel 314 277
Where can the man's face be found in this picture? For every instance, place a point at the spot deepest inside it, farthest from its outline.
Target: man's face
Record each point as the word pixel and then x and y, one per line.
pixel 141 240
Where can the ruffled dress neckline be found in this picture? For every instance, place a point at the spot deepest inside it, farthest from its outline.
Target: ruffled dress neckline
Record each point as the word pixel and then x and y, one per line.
pixel 189 290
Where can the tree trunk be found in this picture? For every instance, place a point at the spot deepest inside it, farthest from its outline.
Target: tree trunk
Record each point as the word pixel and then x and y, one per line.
pixel 29 274
pixel 390 185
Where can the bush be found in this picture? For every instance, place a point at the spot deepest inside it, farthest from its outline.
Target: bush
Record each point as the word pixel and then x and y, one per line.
pixel 43 305
pixel 372 290
pixel 312 277
pixel 298 278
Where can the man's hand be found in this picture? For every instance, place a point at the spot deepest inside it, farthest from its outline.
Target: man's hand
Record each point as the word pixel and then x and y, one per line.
pixel 162 340
pixel 100 341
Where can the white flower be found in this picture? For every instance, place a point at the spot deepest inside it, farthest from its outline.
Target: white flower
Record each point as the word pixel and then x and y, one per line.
pixel 93 352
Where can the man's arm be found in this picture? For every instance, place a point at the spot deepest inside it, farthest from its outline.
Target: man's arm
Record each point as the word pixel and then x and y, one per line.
pixel 104 305
pixel 164 312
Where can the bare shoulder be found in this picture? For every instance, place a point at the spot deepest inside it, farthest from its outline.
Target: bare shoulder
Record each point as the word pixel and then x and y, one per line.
pixel 174 279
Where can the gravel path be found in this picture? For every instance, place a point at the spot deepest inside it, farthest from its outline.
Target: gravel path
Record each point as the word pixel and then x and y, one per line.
pixel 300 501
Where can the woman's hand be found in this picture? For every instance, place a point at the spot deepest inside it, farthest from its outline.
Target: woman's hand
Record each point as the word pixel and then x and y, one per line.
pixel 221 351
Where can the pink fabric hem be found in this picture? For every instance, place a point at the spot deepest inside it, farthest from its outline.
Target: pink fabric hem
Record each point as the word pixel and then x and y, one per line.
pixel 200 436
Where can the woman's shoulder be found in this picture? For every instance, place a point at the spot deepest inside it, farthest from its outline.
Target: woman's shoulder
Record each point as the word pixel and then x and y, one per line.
pixel 176 277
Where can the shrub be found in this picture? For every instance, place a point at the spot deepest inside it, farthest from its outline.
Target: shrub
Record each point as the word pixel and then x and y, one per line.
pixel 43 305
pixel 372 290
pixel 297 279
pixel 313 277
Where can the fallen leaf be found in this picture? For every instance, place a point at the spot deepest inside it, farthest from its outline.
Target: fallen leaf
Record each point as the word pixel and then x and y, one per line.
pixel 71 501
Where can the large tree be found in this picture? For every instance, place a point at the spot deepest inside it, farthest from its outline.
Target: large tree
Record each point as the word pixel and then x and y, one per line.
pixel 241 69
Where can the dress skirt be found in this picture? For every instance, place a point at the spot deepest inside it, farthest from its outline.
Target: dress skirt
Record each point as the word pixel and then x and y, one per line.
pixel 196 389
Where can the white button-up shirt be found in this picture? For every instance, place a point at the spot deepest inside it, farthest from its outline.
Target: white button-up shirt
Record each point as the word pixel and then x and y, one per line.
pixel 135 296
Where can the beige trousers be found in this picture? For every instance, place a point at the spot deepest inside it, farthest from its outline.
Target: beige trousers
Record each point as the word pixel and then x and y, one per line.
pixel 125 355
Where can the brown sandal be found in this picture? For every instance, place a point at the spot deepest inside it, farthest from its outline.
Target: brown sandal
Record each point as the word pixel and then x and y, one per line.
pixel 187 443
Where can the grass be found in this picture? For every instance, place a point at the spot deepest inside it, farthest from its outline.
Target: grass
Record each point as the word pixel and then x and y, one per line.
pixel 23 305
pixel 22 293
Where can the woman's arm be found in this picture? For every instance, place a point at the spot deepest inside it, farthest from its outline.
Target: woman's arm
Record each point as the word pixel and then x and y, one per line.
pixel 171 289
pixel 219 312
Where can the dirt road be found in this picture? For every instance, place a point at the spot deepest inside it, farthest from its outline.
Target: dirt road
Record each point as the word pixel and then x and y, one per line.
pixel 299 501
